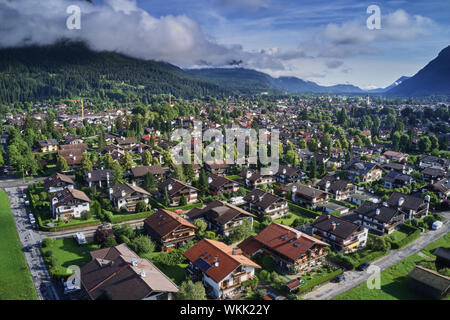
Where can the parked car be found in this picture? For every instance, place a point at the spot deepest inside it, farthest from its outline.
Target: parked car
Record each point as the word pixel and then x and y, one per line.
pixel 32 219
pixel 70 287
pixel 81 239
pixel 364 266
pixel 339 278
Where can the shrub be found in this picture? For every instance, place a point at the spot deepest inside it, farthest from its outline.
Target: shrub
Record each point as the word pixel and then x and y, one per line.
pixel 86 215
pixel 142 244
pixel 109 242
pixel 48 253
pixel 141 206
pixel 47 242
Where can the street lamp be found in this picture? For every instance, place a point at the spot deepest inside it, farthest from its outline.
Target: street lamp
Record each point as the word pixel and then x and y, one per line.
pixel 23 175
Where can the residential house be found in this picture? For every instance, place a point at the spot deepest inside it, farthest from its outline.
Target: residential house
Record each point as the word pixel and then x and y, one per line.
pixel 177 189
pixel 293 251
pixel 57 182
pixel 397 180
pixel 139 173
pixel 409 205
pixel 221 216
pixel 118 273
pixel 220 184
pixel 222 269
pixel 378 218
pixel 254 179
pixel 69 203
pixel 266 204
pixel 365 171
pixel 308 196
pixel 440 188
pixel 398 167
pixel 99 178
pixel 48 145
pixel 341 189
pixel 391 155
pixel 343 235
pixel 219 167
pixel 432 174
pixel 434 162
pixel 287 175
pixel 73 154
pixel 125 195
pixel 169 229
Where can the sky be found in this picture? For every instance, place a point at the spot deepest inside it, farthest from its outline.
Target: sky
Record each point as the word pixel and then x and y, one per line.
pixel 327 42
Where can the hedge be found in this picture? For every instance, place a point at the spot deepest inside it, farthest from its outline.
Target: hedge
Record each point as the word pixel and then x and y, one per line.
pixel 157 204
pixel 131 216
pixel 319 281
pixel 297 209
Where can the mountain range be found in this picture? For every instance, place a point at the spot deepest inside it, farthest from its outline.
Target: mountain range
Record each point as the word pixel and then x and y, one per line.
pixel 69 69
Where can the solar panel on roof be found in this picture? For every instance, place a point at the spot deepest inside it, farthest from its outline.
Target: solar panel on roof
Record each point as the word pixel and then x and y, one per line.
pixel 202 264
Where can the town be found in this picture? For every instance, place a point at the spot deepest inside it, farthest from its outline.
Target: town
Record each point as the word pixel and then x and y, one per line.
pixel 361 182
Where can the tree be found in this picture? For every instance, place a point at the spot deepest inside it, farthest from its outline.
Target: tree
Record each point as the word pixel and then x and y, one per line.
pixel 188 171
pixel 142 244
pixel 166 199
pixel 146 158
pixel 117 172
pixel 109 242
pixel 313 145
pixel 183 200
pixel 241 232
pixel 149 182
pixel 425 144
pixel 191 291
pixel 141 206
pixel 434 141
pixel 125 230
pixel 86 163
pixel 61 165
pixel 127 161
pixel 302 144
pixel 201 227
pixel 291 157
pixel 100 236
pixel 178 173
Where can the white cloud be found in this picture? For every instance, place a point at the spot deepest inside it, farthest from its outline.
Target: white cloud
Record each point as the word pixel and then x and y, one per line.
pixel 121 26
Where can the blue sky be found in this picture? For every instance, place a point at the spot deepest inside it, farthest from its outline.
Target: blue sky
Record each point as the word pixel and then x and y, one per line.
pixel 322 41
pixel 295 26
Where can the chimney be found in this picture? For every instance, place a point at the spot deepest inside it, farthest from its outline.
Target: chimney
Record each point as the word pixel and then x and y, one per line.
pixel 377 212
pixel 89 175
pixel 210 180
pixel 234 251
pixel 216 263
pixel 333 225
pixel 401 200
pixel 123 193
pixel 328 216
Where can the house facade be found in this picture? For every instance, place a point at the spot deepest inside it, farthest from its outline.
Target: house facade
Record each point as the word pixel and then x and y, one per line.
pixel 125 195
pixel 266 204
pixel 69 203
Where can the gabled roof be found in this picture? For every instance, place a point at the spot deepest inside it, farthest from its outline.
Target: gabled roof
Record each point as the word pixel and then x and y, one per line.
pixel 164 222
pixel 111 274
pixel 287 241
pixel 143 170
pixel 218 211
pixel 206 253
pixel 369 209
pixel 219 181
pixel 68 195
pixel 343 230
pixel 128 188
pixel 262 199
pixel 430 278
pixel 410 202
pixel 176 186
pixel 55 178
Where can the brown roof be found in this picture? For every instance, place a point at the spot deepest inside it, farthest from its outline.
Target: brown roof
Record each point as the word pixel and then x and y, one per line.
pixel 177 186
pixel 111 274
pixel 218 211
pixel 211 251
pixel 128 188
pixel 164 222
pixel 287 241
pixel 262 199
pixel 80 146
pixel 55 178
pixel 219 181
pixel 142 171
pixel 67 195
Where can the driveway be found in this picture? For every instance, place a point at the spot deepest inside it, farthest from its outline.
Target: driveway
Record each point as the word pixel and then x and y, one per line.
pixel 30 240
pixel 354 278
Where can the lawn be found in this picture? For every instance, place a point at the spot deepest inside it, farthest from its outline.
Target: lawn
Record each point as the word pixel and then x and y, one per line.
pixel 290 217
pixel 394 280
pixel 397 235
pixel 177 273
pixel 394 284
pixel 15 278
pixel 441 242
pixel 68 252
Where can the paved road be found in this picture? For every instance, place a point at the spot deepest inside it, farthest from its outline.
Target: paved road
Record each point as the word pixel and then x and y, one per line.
pixel 354 278
pixel 30 240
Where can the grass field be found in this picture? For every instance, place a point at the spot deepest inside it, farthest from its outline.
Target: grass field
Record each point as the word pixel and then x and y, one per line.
pixel 394 280
pixel 177 273
pixel 68 252
pixel 15 279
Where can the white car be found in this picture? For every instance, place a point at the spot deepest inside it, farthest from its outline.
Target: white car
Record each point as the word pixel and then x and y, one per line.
pixel 70 287
pixel 32 219
pixel 436 225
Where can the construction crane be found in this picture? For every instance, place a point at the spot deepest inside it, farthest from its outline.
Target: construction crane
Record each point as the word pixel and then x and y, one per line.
pixel 82 107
